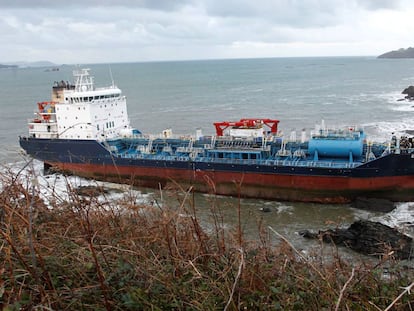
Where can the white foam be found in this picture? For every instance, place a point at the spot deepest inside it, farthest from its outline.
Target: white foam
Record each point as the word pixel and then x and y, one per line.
pixel 283 208
pixel 57 188
pixel 397 102
pixel 402 217
pixel 405 108
pixel 382 131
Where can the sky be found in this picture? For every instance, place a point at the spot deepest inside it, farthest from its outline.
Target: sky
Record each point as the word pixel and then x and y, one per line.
pixel 105 31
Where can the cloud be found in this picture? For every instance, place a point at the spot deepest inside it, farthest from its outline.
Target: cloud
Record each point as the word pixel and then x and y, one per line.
pixel 295 13
pixel 380 4
pixel 104 31
pixel 164 5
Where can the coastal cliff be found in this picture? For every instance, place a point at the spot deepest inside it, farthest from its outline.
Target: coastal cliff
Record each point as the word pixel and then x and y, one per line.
pixel 401 53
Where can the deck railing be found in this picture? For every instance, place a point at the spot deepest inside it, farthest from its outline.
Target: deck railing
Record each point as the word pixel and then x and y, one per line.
pixel 261 162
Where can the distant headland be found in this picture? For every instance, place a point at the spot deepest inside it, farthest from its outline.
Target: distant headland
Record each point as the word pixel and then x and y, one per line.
pixel 401 53
pixel 24 64
pixel 7 66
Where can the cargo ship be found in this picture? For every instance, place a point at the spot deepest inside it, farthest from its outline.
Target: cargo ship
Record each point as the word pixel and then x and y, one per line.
pixel 85 130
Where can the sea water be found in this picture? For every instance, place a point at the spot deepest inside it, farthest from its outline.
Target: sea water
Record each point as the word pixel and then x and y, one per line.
pixel 190 95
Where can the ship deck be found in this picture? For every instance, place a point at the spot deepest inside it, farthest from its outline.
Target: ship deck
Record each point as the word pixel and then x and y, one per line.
pixel 252 152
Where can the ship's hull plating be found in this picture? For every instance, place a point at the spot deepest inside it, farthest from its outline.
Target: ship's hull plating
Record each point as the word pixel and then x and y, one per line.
pixel 390 177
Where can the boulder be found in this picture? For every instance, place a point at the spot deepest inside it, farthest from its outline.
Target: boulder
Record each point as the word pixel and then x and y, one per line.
pixel 369 238
pixel 409 91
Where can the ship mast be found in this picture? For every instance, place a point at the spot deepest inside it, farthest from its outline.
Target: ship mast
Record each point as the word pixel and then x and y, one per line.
pixel 83 80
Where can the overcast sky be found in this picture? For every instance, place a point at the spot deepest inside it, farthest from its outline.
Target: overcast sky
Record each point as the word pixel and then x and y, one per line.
pixel 96 31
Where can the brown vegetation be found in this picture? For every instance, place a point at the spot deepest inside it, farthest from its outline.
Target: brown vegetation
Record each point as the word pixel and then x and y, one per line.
pixel 89 254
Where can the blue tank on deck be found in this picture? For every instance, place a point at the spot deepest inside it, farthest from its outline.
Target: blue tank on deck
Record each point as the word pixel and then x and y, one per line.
pixel 338 146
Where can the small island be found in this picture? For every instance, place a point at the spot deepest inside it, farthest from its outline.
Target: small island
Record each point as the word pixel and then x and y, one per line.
pixel 401 53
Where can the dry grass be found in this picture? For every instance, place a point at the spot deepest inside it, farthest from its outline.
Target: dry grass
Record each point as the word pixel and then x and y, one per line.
pixel 85 254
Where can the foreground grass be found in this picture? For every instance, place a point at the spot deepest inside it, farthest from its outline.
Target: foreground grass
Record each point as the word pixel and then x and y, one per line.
pixel 89 254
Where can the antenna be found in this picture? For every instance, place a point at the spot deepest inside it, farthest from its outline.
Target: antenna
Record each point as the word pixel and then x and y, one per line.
pixel 112 78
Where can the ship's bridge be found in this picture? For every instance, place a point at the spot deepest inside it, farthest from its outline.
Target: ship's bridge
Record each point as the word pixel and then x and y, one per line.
pixel 71 96
pixel 81 111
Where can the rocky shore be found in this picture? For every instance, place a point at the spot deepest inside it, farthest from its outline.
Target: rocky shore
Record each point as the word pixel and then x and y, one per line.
pixel 369 238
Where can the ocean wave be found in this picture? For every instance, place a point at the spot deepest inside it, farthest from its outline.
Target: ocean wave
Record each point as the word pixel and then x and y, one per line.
pixel 397 102
pixel 404 106
pixel 402 217
pixel 382 131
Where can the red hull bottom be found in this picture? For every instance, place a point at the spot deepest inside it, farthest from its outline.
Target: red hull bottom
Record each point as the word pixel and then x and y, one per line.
pixel 319 189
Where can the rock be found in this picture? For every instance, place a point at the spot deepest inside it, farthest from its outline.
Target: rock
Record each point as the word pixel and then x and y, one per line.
pixel 409 91
pixel 369 238
pixel 265 209
pixel 373 204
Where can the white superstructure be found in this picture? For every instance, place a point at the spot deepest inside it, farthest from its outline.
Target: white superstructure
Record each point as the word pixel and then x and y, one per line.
pixel 81 111
pixel 247 132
